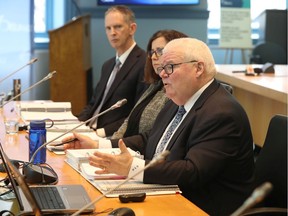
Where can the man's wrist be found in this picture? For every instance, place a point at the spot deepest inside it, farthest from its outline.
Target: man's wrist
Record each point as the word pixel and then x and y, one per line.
pixel 137 165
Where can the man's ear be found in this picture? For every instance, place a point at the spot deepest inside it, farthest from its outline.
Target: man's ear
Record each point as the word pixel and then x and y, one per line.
pixel 200 68
pixel 133 28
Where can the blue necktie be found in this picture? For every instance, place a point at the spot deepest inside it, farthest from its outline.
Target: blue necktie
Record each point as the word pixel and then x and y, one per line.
pixel 181 111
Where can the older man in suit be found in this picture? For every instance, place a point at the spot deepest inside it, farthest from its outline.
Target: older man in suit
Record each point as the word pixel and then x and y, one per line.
pixel 125 81
pixel 211 145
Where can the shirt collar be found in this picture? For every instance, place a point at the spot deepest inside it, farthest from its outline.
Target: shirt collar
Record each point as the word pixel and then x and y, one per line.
pixel 189 104
pixel 124 56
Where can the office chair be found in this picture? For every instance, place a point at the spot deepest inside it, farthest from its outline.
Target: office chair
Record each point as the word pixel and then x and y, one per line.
pixel 268 52
pixel 228 87
pixel 271 166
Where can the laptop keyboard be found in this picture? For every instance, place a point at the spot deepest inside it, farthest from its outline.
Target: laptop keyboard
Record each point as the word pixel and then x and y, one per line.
pixel 48 197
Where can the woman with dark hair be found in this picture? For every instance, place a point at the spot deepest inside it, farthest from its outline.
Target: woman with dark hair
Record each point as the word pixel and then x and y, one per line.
pixel 144 113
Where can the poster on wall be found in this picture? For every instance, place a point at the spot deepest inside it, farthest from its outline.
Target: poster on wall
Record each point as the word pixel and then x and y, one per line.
pixel 235 31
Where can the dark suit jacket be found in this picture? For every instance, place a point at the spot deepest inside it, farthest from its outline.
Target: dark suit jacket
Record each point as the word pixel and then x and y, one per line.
pixel 128 84
pixel 211 153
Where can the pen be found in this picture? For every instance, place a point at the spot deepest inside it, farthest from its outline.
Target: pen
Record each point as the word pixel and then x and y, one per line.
pixel 244 71
pixel 68 141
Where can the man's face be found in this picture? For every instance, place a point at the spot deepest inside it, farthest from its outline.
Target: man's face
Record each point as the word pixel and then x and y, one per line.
pixel 181 84
pixel 119 32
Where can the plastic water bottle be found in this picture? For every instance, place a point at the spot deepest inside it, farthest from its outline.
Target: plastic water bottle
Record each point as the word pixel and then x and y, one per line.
pixel 37 137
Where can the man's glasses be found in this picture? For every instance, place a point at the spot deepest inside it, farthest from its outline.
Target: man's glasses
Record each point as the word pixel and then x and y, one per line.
pixel 158 52
pixel 169 68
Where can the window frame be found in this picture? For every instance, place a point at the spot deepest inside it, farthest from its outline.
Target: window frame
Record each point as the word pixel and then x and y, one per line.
pixel 214 41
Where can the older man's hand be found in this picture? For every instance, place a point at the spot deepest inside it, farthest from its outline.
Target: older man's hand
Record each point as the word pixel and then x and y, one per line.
pixel 108 163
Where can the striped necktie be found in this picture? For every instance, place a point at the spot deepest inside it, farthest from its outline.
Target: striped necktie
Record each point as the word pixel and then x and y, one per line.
pixel 116 68
pixel 178 117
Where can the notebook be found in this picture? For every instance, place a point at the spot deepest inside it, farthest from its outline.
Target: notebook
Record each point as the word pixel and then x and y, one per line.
pixel 70 197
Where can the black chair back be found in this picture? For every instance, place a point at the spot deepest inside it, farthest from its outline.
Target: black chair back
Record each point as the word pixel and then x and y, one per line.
pixel 268 52
pixel 228 87
pixel 271 164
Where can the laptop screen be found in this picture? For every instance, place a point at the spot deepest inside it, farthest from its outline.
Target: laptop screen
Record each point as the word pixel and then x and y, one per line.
pixel 12 171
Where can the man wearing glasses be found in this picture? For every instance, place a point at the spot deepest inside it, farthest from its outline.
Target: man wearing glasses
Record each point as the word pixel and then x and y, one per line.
pixel 203 126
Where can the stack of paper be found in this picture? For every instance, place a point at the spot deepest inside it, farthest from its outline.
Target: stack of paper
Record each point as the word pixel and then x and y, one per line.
pixel 78 159
pixel 56 111
pixel 77 127
pixel 44 106
pixel 74 157
pixel 60 113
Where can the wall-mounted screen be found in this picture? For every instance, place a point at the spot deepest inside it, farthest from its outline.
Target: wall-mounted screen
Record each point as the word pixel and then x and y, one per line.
pixel 148 2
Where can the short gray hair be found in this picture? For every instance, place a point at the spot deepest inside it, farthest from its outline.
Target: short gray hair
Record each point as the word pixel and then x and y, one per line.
pixel 126 11
pixel 194 49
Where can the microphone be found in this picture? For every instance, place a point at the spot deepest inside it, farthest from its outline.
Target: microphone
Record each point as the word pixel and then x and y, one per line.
pixel 257 196
pixel 119 104
pixel 158 159
pixel 29 63
pixel 37 173
pixel 49 76
pixel 115 106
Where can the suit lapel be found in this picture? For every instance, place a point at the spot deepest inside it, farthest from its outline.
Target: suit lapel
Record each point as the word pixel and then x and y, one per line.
pixel 103 82
pixel 165 116
pixel 181 127
pixel 190 115
pixel 124 70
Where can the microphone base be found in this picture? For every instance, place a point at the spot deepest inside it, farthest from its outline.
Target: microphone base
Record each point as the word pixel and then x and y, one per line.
pixel 39 174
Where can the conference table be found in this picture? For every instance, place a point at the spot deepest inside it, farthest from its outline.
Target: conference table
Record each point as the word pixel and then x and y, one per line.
pixel 262 96
pixel 16 147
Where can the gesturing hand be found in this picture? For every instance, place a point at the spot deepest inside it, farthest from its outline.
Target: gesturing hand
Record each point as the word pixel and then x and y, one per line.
pixel 108 163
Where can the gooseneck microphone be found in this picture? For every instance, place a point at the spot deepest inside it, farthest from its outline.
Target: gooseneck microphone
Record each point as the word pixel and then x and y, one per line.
pixel 257 196
pixel 29 63
pixel 115 106
pixel 37 174
pixel 159 158
pixel 49 76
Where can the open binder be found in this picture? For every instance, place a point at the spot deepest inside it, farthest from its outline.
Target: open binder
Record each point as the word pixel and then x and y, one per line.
pixel 78 158
pixel 132 187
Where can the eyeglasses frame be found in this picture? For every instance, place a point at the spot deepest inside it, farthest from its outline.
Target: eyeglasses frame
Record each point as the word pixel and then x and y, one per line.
pixel 158 52
pixel 159 69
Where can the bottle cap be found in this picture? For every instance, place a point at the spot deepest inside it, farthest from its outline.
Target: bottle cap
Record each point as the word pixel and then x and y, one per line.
pixel 37 124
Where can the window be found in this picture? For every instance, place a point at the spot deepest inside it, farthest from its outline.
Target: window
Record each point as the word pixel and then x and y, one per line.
pixel 48 14
pixel 257 7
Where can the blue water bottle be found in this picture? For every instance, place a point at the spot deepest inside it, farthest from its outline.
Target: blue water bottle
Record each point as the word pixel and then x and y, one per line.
pixel 37 137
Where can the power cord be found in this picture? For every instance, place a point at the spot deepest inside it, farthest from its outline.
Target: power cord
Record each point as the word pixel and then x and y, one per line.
pixel 39 174
pixel 31 177
pixel 48 167
pixel 3 213
pixel 5 189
